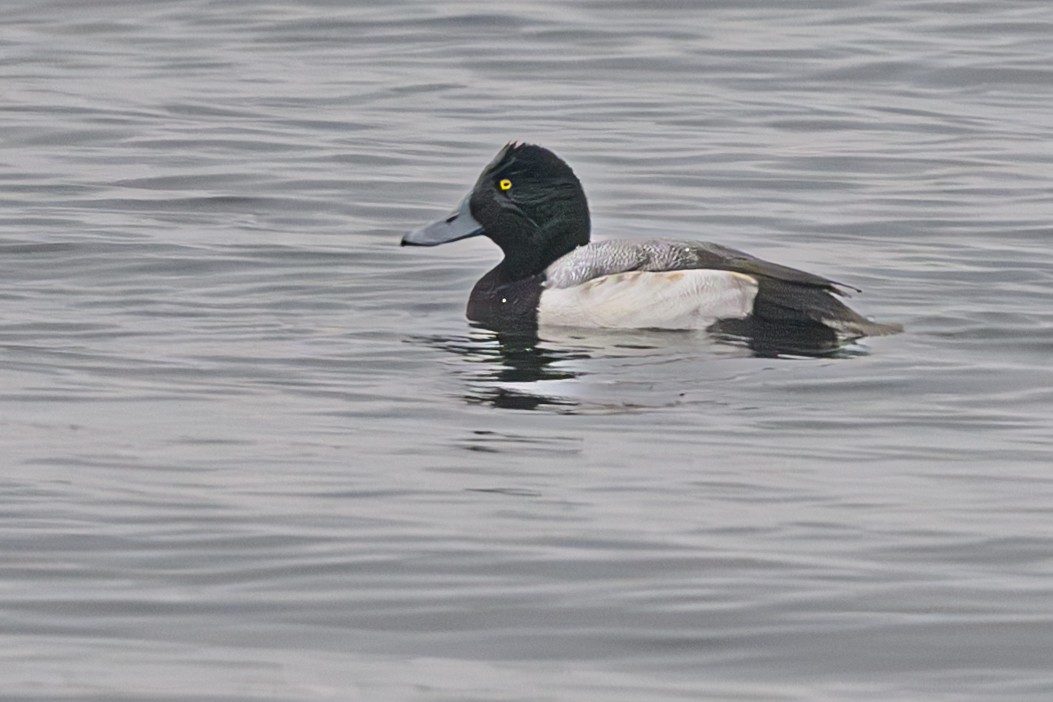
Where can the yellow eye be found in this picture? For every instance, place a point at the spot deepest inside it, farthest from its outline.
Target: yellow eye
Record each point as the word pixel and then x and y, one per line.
pixel 505 184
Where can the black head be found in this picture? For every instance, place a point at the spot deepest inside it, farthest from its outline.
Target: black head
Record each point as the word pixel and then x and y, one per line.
pixel 528 201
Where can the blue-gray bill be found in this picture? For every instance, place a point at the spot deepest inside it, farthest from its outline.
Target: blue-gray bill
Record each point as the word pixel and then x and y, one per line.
pixel 458 225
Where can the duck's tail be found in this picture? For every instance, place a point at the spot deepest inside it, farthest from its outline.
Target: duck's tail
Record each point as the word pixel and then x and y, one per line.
pixel 800 315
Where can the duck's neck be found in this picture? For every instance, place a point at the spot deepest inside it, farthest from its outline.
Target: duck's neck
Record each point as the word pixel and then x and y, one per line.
pixel 526 261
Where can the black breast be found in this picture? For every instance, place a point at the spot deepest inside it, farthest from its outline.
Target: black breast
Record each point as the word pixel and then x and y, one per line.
pixel 505 305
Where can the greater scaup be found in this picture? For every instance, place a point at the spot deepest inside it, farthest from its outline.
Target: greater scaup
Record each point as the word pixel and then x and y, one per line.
pixel 530 203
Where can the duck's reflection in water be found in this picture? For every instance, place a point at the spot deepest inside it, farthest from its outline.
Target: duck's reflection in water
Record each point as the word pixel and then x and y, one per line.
pixel 523 371
pixel 526 372
pixel 511 370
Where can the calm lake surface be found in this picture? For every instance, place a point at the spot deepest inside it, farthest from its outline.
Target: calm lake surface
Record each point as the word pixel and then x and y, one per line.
pixel 250 449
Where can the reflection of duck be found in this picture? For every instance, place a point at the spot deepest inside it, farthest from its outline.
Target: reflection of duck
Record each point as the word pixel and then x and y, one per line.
pixel 580 372
pixel 530 203
pixel 509 366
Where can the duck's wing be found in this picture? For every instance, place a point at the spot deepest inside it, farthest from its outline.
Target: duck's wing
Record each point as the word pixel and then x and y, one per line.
pixel 645 284
pixel 725 258
pixel 759 294
pixel 608 257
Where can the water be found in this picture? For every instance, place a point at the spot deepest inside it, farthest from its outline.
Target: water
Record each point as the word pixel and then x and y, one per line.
pixel 252 451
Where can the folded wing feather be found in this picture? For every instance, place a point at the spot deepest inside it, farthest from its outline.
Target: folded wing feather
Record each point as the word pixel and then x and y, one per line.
pixel 618 256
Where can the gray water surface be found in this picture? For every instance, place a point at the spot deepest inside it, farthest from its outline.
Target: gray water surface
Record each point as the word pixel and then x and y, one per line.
pixel 251 450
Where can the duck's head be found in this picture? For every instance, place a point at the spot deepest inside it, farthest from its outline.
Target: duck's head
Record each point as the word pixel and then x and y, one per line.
pixel 527 201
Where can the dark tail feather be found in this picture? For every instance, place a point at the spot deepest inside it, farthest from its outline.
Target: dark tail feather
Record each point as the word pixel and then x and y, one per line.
pixel 797 316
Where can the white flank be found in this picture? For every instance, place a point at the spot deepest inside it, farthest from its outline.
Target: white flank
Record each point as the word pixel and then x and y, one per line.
pixel 687 299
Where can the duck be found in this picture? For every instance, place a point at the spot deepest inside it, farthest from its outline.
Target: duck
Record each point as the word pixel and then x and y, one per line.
pixel 530 203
